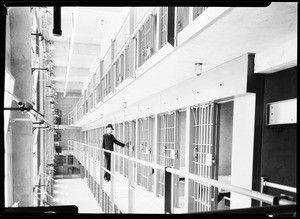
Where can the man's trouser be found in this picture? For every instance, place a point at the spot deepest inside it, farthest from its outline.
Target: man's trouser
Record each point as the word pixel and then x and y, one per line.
pixel 107 160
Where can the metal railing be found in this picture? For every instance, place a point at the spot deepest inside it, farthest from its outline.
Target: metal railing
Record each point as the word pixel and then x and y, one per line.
pixel 265 183
pixel 168 178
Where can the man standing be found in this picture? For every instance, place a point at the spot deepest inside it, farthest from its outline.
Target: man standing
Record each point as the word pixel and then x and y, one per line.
pixel 108 140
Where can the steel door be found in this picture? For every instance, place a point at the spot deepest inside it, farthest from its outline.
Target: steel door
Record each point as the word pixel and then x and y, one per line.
pixel 145 148
pixel 167 145
pixel 204 149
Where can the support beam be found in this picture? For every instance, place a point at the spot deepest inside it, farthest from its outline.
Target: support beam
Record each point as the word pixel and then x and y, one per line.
pixel 277 58
pixel 242 148
pixel 72 48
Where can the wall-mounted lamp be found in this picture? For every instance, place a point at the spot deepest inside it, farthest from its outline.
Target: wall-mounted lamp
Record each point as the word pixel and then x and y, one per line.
pixel 198 69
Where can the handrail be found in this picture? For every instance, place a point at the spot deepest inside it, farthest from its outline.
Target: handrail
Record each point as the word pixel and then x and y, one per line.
pixel 250 193
pixel 279 186
pixel 253 194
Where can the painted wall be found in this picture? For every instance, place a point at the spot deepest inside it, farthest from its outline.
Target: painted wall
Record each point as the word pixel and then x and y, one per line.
pixel 65 104
pixel 279 143
pixel 225 138
pixel 224 81
pixel 242 148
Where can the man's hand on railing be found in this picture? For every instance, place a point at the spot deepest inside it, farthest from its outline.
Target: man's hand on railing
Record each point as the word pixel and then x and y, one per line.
pixel 127 144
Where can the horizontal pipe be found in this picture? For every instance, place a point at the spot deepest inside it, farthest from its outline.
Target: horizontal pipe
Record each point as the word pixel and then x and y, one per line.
pixel 282 187
pixel 146 163
pixel 281 209
pixel 250 193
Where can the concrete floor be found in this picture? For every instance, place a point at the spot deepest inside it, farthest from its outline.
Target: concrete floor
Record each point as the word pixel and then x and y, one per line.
pixel 75 192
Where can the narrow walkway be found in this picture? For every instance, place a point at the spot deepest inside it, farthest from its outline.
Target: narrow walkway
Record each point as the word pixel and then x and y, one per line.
pixel 75 192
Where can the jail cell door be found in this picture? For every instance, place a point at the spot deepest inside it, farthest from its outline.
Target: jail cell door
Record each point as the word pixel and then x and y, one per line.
pixel 145 148
pixel 167 145
pixel 129 137
pixel 204 149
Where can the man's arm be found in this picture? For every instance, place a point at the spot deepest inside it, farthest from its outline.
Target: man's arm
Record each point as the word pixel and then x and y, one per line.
pixel 117 142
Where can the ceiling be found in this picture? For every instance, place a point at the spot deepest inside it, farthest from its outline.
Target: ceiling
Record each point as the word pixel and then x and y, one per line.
pixel 258 29
pixel 86 30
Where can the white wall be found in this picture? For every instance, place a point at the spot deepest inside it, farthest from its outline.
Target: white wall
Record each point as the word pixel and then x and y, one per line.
pixel 242 148
pixel 226 80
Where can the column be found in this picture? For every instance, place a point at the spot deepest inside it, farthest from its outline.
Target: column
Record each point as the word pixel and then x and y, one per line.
pixel 22 137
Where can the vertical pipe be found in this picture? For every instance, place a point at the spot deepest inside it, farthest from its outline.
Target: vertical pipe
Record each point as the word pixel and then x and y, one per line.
pixel 168 192
pixel 155 153
pixel 57 21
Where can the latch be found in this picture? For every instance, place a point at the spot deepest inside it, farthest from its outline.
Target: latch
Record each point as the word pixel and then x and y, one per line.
pixel 176 154
pixel 195 152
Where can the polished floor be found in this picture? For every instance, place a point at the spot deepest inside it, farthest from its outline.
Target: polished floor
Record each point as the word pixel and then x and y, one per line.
pixel 75 192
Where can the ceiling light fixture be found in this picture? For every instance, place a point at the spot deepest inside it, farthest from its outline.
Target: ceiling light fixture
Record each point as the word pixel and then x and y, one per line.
pixel 198 68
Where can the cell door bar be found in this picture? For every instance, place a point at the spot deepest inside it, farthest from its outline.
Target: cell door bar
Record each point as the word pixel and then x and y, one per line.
pixel 203 149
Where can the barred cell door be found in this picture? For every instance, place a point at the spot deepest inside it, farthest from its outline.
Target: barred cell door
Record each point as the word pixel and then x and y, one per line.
pixel 168 128
pixel 145 148
pixel 129 137
pixel 118 149
pixel 204 154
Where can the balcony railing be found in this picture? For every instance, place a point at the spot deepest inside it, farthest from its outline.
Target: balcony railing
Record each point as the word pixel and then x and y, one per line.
pixel 84 152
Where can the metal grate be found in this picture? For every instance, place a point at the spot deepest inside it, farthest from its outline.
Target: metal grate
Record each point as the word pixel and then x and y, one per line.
pixel 129 137
pixel 119 160
pixel 163 26
pixel 203 155
pixel 166 145
pixel 145 148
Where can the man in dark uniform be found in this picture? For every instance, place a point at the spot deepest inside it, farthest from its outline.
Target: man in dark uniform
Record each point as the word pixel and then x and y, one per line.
pixel 108 140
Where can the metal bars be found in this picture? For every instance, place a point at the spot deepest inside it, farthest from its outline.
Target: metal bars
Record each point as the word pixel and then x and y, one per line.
pixel 203 154
pixel 145 148
pixel 166 145
pixel 163 26
pixel 129 137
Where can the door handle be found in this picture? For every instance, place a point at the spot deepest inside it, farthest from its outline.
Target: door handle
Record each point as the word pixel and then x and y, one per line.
pixel 195 150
